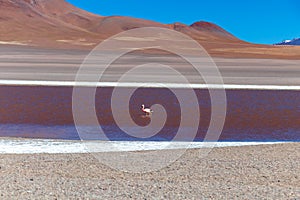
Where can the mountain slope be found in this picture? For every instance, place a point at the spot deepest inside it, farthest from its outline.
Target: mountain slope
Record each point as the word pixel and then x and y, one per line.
pixel 58 24
pixel 43 22
pixel 56 20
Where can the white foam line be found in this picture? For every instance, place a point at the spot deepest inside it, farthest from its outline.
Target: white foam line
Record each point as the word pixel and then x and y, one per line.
pixel 35 146
pixel 146 85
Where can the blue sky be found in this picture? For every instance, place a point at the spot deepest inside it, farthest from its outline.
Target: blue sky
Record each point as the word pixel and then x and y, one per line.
pixel 258 21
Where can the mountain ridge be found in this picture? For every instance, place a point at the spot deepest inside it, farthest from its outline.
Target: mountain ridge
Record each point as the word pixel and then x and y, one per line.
pixel 295 41
pixel 58 24
pixel 59 17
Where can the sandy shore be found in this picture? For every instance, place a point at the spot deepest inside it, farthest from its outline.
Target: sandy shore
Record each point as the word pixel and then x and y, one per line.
pixel 249 172
pixel 40 64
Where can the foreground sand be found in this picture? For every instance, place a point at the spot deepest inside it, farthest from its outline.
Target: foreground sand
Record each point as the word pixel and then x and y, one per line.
pixel 253 172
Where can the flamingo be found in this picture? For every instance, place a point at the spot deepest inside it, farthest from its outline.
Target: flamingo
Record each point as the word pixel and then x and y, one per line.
pixel 147 111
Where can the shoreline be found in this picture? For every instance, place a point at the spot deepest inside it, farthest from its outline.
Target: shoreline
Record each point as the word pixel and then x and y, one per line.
pixel 152 85
pixel 248 172
pixel 51 146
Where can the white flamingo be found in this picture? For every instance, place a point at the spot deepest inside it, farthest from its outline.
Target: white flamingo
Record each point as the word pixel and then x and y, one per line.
pixel 147 111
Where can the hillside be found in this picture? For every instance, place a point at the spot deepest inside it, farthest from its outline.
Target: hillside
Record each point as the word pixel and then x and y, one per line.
pixel 58 24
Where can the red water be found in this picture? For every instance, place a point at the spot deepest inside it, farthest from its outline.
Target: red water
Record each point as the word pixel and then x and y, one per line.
pixel 252 115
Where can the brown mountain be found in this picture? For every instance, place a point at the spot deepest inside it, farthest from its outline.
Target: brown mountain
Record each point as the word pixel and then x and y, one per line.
pixel 58 24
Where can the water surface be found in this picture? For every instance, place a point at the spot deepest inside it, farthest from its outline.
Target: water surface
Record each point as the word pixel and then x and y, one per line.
pixel 252 115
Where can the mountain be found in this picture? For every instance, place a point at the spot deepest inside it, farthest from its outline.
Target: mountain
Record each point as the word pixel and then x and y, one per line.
pixel 44 22
pixel 58 24
pixel 295 41
pixel 56 21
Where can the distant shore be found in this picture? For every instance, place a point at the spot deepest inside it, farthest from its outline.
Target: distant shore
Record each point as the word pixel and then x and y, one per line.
pixel 249 172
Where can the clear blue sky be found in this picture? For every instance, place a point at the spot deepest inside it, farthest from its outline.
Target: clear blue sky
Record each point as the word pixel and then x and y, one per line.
pixel 258 21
